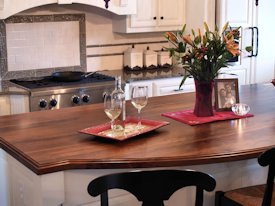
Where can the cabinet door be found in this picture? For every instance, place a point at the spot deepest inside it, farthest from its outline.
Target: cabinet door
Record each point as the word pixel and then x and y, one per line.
pixel 146 14
pixel 240 74
pixel 238 13
pixel 264 65
pixel 204 11
pixel 5 108
pixel 129 87
pixel 171 13
pixel 171 86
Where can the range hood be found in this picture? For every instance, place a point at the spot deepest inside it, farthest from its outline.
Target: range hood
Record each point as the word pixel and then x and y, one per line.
pixel 120 7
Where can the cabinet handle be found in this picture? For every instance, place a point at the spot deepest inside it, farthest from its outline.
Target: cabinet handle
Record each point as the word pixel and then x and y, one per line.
pixel 155 18
pixel 161 17
pixel 257 2
pixel 257 41
pixel 178 90
pixel 252 41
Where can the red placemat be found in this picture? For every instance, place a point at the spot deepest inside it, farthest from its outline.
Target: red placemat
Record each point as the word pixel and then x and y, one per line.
pixel 188 117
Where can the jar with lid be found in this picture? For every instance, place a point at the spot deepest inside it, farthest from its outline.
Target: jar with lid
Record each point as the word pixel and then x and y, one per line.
pixel 133 58
pixel 164 58
pixel 150 58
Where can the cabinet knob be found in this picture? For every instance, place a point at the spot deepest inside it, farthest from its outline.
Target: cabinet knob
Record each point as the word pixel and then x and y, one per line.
pixel 161 17
pixel 155 18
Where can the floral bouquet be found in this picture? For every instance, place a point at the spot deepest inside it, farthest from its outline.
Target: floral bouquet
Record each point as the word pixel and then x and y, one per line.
pixel 203 55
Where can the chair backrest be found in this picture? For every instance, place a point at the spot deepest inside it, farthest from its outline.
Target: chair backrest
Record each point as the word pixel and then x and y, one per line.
pixel 267 158
pixel 152 187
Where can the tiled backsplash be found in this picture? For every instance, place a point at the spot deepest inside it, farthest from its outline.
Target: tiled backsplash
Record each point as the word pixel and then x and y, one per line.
pixel 42 45
pixel 103 50
pixel 37 45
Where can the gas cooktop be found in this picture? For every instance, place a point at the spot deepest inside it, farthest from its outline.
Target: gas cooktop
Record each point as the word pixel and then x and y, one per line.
pixel 48 81
pixel 47 93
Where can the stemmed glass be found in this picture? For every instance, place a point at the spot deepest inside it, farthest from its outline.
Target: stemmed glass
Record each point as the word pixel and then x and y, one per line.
pixel 139 98
pixel 112 108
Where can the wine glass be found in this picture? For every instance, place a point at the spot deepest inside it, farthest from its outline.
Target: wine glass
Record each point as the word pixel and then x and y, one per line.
pixel 112 108
pixel 139 98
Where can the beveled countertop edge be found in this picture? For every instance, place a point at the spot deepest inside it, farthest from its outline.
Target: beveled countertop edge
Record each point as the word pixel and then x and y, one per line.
pixel 41 169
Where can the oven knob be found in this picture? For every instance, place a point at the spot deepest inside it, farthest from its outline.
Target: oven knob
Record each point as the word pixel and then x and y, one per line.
pixel 75 99
pixel 53 102
pixel 42 103
pixel 86 98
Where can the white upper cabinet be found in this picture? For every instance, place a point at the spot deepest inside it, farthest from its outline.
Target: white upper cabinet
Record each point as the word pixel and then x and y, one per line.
pixel 198 12
pixel 152 16
pixel 236 12
pixel 146 15
pixel 120 7
pixel 164 15
pixel 171 13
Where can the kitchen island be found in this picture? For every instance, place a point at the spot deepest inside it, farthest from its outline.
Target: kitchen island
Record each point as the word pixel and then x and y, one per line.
pixel 43 152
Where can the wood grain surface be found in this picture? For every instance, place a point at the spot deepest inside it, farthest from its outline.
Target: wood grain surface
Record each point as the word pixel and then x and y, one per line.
pixel 49 141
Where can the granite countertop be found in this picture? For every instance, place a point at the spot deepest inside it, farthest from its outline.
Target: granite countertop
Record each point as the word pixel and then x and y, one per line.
pixel 8 88
pixel 146 74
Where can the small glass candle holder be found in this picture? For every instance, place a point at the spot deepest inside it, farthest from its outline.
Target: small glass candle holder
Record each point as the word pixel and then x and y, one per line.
pixel 240 109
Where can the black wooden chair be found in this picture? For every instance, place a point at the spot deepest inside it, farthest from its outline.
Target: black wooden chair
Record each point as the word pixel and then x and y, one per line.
pixel 152 187
pixel 259 195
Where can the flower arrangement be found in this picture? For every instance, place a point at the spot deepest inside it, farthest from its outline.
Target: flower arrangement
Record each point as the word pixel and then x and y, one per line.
pixel 203 55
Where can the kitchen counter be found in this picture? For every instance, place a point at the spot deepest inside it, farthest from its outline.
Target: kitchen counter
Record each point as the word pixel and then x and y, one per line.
pixel 146 74
pixel 49 141
pixel 8 88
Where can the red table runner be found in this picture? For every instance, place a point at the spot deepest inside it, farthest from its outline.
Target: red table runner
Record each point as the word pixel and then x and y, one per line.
pixel 188 117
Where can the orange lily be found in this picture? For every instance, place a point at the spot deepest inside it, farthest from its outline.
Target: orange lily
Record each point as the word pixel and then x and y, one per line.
pixel 188 39
pixel 232 46
pixel 171 36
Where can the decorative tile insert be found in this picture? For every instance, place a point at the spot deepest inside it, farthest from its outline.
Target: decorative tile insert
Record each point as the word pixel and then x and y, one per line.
pixel 38 45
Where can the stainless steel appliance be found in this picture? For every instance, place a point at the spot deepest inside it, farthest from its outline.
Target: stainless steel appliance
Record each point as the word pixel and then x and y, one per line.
pixel 47 93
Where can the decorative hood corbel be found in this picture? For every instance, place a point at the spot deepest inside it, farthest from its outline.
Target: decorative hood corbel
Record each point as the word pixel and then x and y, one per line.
pixel 106 3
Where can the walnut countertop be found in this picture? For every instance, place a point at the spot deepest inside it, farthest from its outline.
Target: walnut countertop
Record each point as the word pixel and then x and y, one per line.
pixel 49 141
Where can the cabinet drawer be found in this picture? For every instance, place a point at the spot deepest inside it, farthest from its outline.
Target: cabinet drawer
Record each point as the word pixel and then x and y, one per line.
pixel 129 87
pixel 167 90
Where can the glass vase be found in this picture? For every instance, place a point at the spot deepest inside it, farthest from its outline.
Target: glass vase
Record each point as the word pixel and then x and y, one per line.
pixel 203 104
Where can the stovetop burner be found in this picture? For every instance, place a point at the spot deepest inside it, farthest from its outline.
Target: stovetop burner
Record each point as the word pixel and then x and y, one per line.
pixel 48 81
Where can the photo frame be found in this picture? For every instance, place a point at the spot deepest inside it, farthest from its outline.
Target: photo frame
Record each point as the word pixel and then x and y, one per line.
pixel 226 94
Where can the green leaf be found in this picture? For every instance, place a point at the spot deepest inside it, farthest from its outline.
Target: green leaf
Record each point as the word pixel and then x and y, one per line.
pixel 183 79
pixel 225 27
pixel 249 48
pixel 193 32
pixel 197 40
pixel 206 27
pixel 183 29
